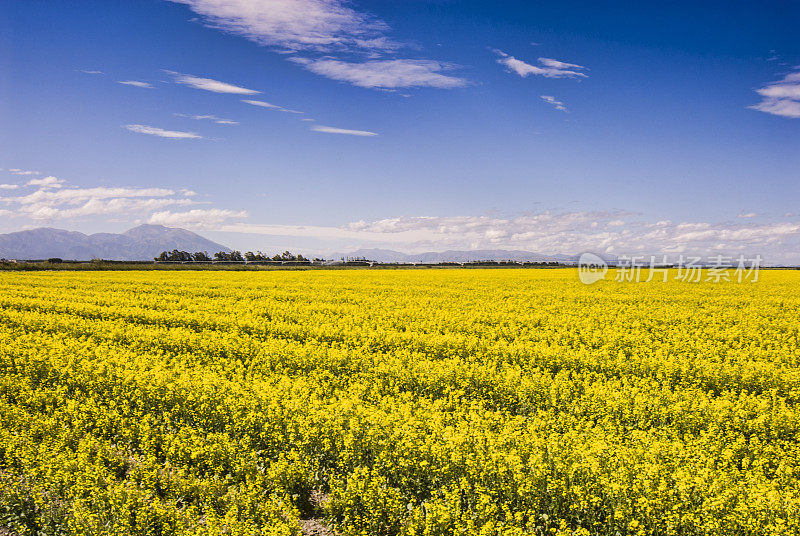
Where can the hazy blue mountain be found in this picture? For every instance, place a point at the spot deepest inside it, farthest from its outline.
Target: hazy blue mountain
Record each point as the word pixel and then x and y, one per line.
pixel 140 243
pixel 432 257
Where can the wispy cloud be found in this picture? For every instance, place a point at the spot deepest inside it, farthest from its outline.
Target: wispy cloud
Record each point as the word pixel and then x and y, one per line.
pixel 213 118
pixel 388 74
pixel 136 83
pixel 559 65
pixel 330 27
pixel 17 171
pixel 196 219
pixel 209 84
pixel 293 25
pixel 270 106
pixel 86 71
pixel 160 132
pixel 9 186
pixel 549 68
pixel 748 215
pixel 46 182
pixel 781 98
pixel 558 105
pixel 334 130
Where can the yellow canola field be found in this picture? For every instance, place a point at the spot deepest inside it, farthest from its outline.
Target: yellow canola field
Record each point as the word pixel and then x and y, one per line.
pixel 412 402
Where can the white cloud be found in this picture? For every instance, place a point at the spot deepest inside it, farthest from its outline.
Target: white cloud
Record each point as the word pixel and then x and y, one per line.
pixel 334 130
pixel 325 27
pixel 782 107
pixel 16 171
pixel 98 207
pixel 160 132
pixel 788 88
pixel 196 219
pixel 54 201
pixel 387 74
pixel 558 105
pixel 136 83
pixel 781 98
pixel 275 107
pixel 73 196
pixel 555 64
pixel 551 233
pixel 209 84
pixel 550 68
pixel 590 231
pixel 319 25
pixel 9 186
pixel 46 182
pixel 262 104
pixel 213 118
pixel 90 71
pixel 748 215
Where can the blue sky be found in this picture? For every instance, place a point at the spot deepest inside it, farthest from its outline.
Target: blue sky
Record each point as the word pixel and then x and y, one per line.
pixel 423 125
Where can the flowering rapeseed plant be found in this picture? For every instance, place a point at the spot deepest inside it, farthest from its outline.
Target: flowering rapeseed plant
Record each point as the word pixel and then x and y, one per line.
pixel 438 402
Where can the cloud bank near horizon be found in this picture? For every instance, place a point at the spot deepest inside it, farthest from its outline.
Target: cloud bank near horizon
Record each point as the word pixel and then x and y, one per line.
pixel 611 232
pixel 49 199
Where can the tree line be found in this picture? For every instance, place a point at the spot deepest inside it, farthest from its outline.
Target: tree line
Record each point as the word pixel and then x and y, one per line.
pixel 233 256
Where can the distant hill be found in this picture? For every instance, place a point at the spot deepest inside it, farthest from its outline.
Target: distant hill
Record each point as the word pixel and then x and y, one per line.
pixel 140 243
pixel 433 257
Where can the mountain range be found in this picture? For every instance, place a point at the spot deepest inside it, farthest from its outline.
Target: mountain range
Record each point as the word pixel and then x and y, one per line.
pixel 147 241
pixel 140 243
pixel 433 257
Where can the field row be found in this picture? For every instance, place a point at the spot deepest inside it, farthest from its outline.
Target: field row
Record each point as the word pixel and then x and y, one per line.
pixel 431 402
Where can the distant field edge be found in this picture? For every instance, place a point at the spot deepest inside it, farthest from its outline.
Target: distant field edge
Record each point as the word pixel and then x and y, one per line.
pixel 35 266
